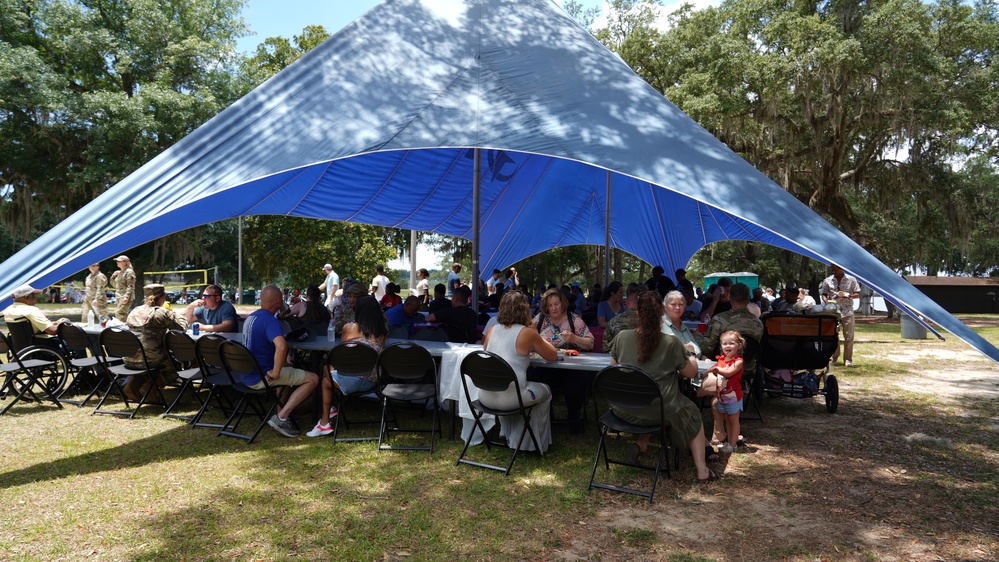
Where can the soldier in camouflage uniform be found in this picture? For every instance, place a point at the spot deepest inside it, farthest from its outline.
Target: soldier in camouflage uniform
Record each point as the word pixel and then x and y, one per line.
pixel 627 319
pixel 150 322
pixel 344 312
pixel 739 319
pixel 95 297
pixel 124 287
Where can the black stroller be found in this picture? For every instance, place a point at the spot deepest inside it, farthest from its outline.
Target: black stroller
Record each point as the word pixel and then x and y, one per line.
pixel 795 353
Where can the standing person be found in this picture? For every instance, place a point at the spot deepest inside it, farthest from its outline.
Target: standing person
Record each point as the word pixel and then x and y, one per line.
pixel 213 313
pixel 514 344
pixel 728 403
pixel 379 282
pixel 124 287
pixel 263 335
pixel 95 298
pixel 664 358
pixel 330 285
pixel 841 289
pixel 422 291
pixel 150 322
pixel 682 282
pixel 493 280
pixel 453 281
pixel 369 329
pixel 512 281
pixel 659 282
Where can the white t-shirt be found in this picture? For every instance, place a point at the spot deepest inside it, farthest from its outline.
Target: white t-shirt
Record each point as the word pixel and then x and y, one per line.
pixel 378 284
pixel 421 288
pixel 332 284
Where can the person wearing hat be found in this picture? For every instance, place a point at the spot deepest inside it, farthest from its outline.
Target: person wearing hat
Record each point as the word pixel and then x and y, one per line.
pixel 330 285
pixel 95 299
pixel 24 310
pixel 150 322
pixel 124 287
pixel 344 314
pixel 214 314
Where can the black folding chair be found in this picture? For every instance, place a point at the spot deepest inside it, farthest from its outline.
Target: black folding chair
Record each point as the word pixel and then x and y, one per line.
pixel 180 349
pixel 752 380
pixel 408 375
pixel 629 388
pixel 84 365
pixel 351 359
pixel 115 345
pixel 488 371
pixel 214 376
pixel 455 333
pixel 30 373
pixel 262 402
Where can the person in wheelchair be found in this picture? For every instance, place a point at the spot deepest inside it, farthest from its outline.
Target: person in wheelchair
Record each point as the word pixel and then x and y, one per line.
pixel 24 310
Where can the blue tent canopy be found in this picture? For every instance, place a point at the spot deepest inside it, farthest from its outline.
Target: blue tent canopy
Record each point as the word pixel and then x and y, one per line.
pixel 378 124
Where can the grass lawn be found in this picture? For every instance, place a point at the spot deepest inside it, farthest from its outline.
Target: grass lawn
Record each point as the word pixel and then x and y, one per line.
pixel 811 486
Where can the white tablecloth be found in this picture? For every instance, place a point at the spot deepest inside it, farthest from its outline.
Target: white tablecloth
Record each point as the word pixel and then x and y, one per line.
pixel 451 390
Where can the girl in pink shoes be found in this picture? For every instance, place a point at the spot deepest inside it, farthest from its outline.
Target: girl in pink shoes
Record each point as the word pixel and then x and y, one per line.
pixel 728 403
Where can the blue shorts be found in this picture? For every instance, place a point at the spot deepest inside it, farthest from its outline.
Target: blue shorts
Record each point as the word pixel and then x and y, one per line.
pixel 733 408
pixel 352 385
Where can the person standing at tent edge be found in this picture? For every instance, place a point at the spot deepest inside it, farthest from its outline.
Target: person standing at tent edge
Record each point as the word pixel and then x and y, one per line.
pixel 94 298
pixel 840 289
pixel 124 287
pixel 330 285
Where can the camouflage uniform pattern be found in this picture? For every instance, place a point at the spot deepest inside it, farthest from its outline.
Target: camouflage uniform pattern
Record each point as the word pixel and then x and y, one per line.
pixel 627 320
pixel 344 315
pixel 95 291
pixel 124 288
pixel 150 324
pixel 738 319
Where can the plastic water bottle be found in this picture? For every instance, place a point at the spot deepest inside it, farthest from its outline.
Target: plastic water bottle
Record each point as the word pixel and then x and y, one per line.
pixel 90 318
pixel 331 332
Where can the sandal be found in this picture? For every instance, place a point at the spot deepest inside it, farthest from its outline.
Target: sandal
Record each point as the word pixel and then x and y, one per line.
pixel 719 441
pixel 712 476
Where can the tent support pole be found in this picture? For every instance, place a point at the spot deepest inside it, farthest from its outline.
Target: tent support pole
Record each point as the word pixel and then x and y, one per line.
pixel 476 184
pixel 239 263
pixel 412 261
pixel 607 247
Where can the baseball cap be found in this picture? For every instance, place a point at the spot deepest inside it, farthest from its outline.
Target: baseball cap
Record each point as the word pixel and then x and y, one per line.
pixel 328 266
pixel 25 290
pixel 122 257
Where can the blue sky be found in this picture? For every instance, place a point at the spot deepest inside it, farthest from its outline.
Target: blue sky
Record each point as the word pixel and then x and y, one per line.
pixel 285 18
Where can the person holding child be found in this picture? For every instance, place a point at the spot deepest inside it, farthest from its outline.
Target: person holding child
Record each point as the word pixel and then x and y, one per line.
pixel 728 402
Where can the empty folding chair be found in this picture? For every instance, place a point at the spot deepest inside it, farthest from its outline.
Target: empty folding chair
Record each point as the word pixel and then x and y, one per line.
pixel 408 375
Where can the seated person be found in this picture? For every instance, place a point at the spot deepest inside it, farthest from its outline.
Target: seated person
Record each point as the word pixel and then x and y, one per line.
pixel 459 314
pixel 310 312
pixel 263 335
pixel 789 298
pixel 718 300
pixel 439 301
pixel 405 314
pixel 371 329
pixel 345 312
pixel 692 307
pixel 213 313
pixel 150 322
pixel 24 310
pixel 391 297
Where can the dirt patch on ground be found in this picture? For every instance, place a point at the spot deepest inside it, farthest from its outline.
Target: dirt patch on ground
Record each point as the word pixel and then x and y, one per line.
pixel 906 470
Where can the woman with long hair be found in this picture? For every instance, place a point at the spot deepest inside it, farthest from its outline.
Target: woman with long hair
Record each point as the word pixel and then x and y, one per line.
pixel 610 304
pixel 369 328
pixel 513 343
pixel 665 359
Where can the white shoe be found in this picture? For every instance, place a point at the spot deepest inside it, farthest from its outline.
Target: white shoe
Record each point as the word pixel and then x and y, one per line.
pixel 320 430
pixel 848 363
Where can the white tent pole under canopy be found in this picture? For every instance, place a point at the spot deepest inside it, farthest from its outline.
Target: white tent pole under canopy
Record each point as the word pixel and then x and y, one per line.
pixel 380 125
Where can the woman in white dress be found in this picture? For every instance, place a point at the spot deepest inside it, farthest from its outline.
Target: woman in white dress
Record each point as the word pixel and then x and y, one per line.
pixel 513 343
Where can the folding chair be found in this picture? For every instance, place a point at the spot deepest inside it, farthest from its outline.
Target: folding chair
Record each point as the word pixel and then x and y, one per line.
pixel 115 345
pixel 455 333
pixel 180 349
pixel 88 374
pixel 238 360
pixel 628 388
pixel 32 373
pixel 408 374
pixel 213 374
pixel 488 371
pixel 351 359
pixel 398 332
pixel 430 335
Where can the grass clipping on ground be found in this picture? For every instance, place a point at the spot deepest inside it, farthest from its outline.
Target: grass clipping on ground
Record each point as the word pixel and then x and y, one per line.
pixel 906 470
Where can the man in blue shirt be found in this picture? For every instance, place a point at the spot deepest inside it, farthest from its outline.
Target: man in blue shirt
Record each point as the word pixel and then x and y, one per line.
pixel 213 313
pixel 453 281
pixel 264 337
pixel 405 314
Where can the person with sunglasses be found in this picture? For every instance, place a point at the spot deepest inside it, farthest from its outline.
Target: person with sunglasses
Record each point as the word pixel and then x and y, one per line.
pixel 212 313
